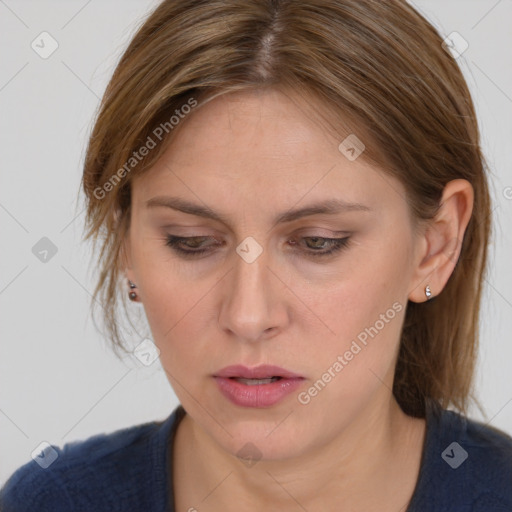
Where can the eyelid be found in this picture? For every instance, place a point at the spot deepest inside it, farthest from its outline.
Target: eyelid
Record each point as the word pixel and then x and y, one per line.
pixel 204 230
pixel 338 244
pixel 330 234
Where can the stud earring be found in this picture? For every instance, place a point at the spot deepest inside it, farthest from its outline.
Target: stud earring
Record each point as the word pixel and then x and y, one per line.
pixel 132 295
pixel 428 292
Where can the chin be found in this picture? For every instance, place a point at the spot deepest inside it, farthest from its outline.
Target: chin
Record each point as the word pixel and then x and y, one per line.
pixel 270 440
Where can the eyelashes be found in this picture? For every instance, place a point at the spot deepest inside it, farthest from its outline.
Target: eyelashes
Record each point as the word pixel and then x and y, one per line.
pixel 175 243
pixel 190 247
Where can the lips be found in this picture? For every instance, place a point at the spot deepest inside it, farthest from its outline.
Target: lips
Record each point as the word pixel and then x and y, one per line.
pixel 261 386
pixel 264 371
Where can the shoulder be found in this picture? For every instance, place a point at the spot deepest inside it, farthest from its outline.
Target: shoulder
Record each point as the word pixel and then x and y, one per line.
pixel 83 473
pixel 467 465
pixel 489 457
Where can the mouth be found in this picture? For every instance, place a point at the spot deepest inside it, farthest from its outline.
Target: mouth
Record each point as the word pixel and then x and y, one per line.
pixel 255 382
pixel 261 386
pixel 263 372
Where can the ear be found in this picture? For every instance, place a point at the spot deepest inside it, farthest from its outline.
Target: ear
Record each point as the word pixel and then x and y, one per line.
pixel 125 255
pixel 441 242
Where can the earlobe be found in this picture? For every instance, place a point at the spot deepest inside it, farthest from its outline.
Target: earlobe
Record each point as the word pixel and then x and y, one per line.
pixel 443 236
pixel 132 293
pixel 125 263
pixel 125 260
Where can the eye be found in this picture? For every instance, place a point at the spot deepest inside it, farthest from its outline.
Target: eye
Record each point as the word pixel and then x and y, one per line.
pixel 318 246
pixel 192 245
pixel 315 246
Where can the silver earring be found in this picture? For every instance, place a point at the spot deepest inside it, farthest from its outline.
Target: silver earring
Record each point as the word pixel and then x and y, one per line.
pixel 428 292
pixel 132 295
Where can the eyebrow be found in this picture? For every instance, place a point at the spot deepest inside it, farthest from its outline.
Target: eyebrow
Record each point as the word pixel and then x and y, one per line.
pixel 326 207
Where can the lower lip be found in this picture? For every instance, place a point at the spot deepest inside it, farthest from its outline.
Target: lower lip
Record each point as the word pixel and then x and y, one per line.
pixel 258 395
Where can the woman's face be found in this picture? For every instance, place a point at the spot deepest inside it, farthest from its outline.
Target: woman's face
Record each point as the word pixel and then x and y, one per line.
pixel 271 288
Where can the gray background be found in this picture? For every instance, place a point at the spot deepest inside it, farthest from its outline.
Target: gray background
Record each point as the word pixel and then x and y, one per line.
pixel 59 381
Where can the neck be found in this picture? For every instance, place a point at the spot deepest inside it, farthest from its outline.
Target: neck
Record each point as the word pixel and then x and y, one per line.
pixel 374 460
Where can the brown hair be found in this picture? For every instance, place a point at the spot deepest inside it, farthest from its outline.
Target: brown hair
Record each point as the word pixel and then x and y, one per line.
pixel 377 65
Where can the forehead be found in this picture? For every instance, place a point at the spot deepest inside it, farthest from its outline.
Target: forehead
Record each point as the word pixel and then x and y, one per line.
pixel 264 146
pixel 268 121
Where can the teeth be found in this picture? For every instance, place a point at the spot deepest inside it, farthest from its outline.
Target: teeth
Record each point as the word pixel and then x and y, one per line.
pixel 255 382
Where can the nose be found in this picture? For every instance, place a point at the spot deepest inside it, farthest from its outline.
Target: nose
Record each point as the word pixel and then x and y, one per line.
pixel 253 301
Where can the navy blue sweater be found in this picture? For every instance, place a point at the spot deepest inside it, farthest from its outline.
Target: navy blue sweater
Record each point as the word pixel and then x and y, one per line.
pixel 466 467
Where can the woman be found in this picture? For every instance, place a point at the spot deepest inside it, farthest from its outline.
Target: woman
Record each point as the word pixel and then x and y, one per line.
pixel 294 193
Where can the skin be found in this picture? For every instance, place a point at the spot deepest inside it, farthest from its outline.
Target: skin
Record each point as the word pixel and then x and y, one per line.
pixel 250 156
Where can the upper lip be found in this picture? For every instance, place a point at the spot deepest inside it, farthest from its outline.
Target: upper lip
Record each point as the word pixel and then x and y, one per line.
pixel 263 371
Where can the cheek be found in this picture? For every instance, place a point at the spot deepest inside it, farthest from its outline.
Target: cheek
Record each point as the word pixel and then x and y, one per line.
pixel 177 309
pixel 364 331
pixel 355 365
pixel 364 310
pixel 355 297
